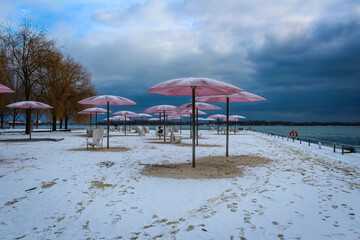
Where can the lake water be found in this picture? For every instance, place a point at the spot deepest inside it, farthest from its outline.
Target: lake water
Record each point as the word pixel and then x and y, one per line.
pixel 337 134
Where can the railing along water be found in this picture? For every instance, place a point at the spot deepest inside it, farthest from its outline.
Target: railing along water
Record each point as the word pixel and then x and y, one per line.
pixel 345 148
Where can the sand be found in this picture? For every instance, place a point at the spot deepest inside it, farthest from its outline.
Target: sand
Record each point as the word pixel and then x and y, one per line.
pixel 206 168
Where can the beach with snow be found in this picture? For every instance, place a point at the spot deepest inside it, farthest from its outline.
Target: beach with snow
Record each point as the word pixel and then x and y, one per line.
pixel 270 188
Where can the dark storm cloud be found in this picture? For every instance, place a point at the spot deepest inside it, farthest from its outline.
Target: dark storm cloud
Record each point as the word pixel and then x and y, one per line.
pixel 320 69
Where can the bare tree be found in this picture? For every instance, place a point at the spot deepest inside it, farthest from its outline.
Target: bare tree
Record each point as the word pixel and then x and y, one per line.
pixel 63 83
pixel 27 46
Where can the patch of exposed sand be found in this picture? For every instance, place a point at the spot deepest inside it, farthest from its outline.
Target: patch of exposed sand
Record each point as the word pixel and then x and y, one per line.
pixel 104 149
pixel 206 168
pixel 185 144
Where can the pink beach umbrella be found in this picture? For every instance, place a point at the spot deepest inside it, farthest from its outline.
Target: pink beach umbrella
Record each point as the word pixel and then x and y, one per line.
pixel 158 109
pixel 4 89
pixel 235 118
pixel 107 100
pixel 92 111
pixel 142 115
pixel 198 106
pixel 218 117
pixel 193 87
pixel 126 114
pixel 208 119
pixel 29 105
pixel 236 97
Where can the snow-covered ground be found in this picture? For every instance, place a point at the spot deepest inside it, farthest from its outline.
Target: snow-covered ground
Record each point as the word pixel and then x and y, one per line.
pixel 49 191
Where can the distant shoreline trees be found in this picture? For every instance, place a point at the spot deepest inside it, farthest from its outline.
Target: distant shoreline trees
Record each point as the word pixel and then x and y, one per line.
pixel 37 70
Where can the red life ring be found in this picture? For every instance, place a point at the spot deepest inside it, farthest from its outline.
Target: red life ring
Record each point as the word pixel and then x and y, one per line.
pixel 294 134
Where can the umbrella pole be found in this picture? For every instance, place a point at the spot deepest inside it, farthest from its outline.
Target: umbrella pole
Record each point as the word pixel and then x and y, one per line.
pixel 218 126
pixel 180 125
pixel 90 119
pixel 125 124
pixel 30 125
pixel 227 126
pixel 164 127
pixel 159 125
pixel 96 119
pixel 108 124
pixel 193 125
pixel 197 126
pixel 209 126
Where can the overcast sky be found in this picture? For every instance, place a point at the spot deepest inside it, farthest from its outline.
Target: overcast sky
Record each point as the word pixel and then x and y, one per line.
pixel 302 56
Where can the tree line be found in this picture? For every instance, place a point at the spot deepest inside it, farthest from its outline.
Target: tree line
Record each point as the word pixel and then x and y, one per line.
pixel 37 70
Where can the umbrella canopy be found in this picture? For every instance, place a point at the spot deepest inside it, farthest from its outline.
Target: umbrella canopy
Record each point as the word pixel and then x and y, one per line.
pixel 144 115
pixel 187 113
pixel 183 87
pixel 217 116
pixel 153 119
pixel 173 117
pixel 119 117
pixel 29 105
pixel 126 113
pixel 93 111
pixel 208 119
pixel 198 105
pixel 4 89
pixel 159 109
pixel 107 100
pixel 193 87
pixel 116 118
pixel 237 117
pixel 236 97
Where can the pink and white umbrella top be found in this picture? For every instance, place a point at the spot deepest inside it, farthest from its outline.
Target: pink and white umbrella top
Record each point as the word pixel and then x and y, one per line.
pixel 208 119
pixel 198 105
pixel 173 117
pixel 218 116
pixel 144 115
pixel 167 113
pixel 153 119
pixel 237 116
pixel 117 118
pixel 93 111
pixel 236 97
pixel 120 118
pixel 204 87
pixel 29 104
pixel 161 109
pixel 105 99
pixel 126 113
pixel 185 113
pixel 4 89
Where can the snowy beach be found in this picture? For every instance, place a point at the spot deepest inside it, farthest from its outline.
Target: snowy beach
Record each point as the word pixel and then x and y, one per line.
pixel 58 190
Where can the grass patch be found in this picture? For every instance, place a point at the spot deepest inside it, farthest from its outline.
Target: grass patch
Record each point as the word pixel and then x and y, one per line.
pixel 100 185
pixel 45 185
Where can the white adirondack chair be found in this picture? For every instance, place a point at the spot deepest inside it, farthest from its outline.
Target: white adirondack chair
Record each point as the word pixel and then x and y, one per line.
pixel 97 139
pixel 174 139
pixel 146 129
pixel 89 131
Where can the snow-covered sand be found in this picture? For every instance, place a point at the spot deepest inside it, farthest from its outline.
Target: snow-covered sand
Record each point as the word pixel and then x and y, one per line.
pixel 51 192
